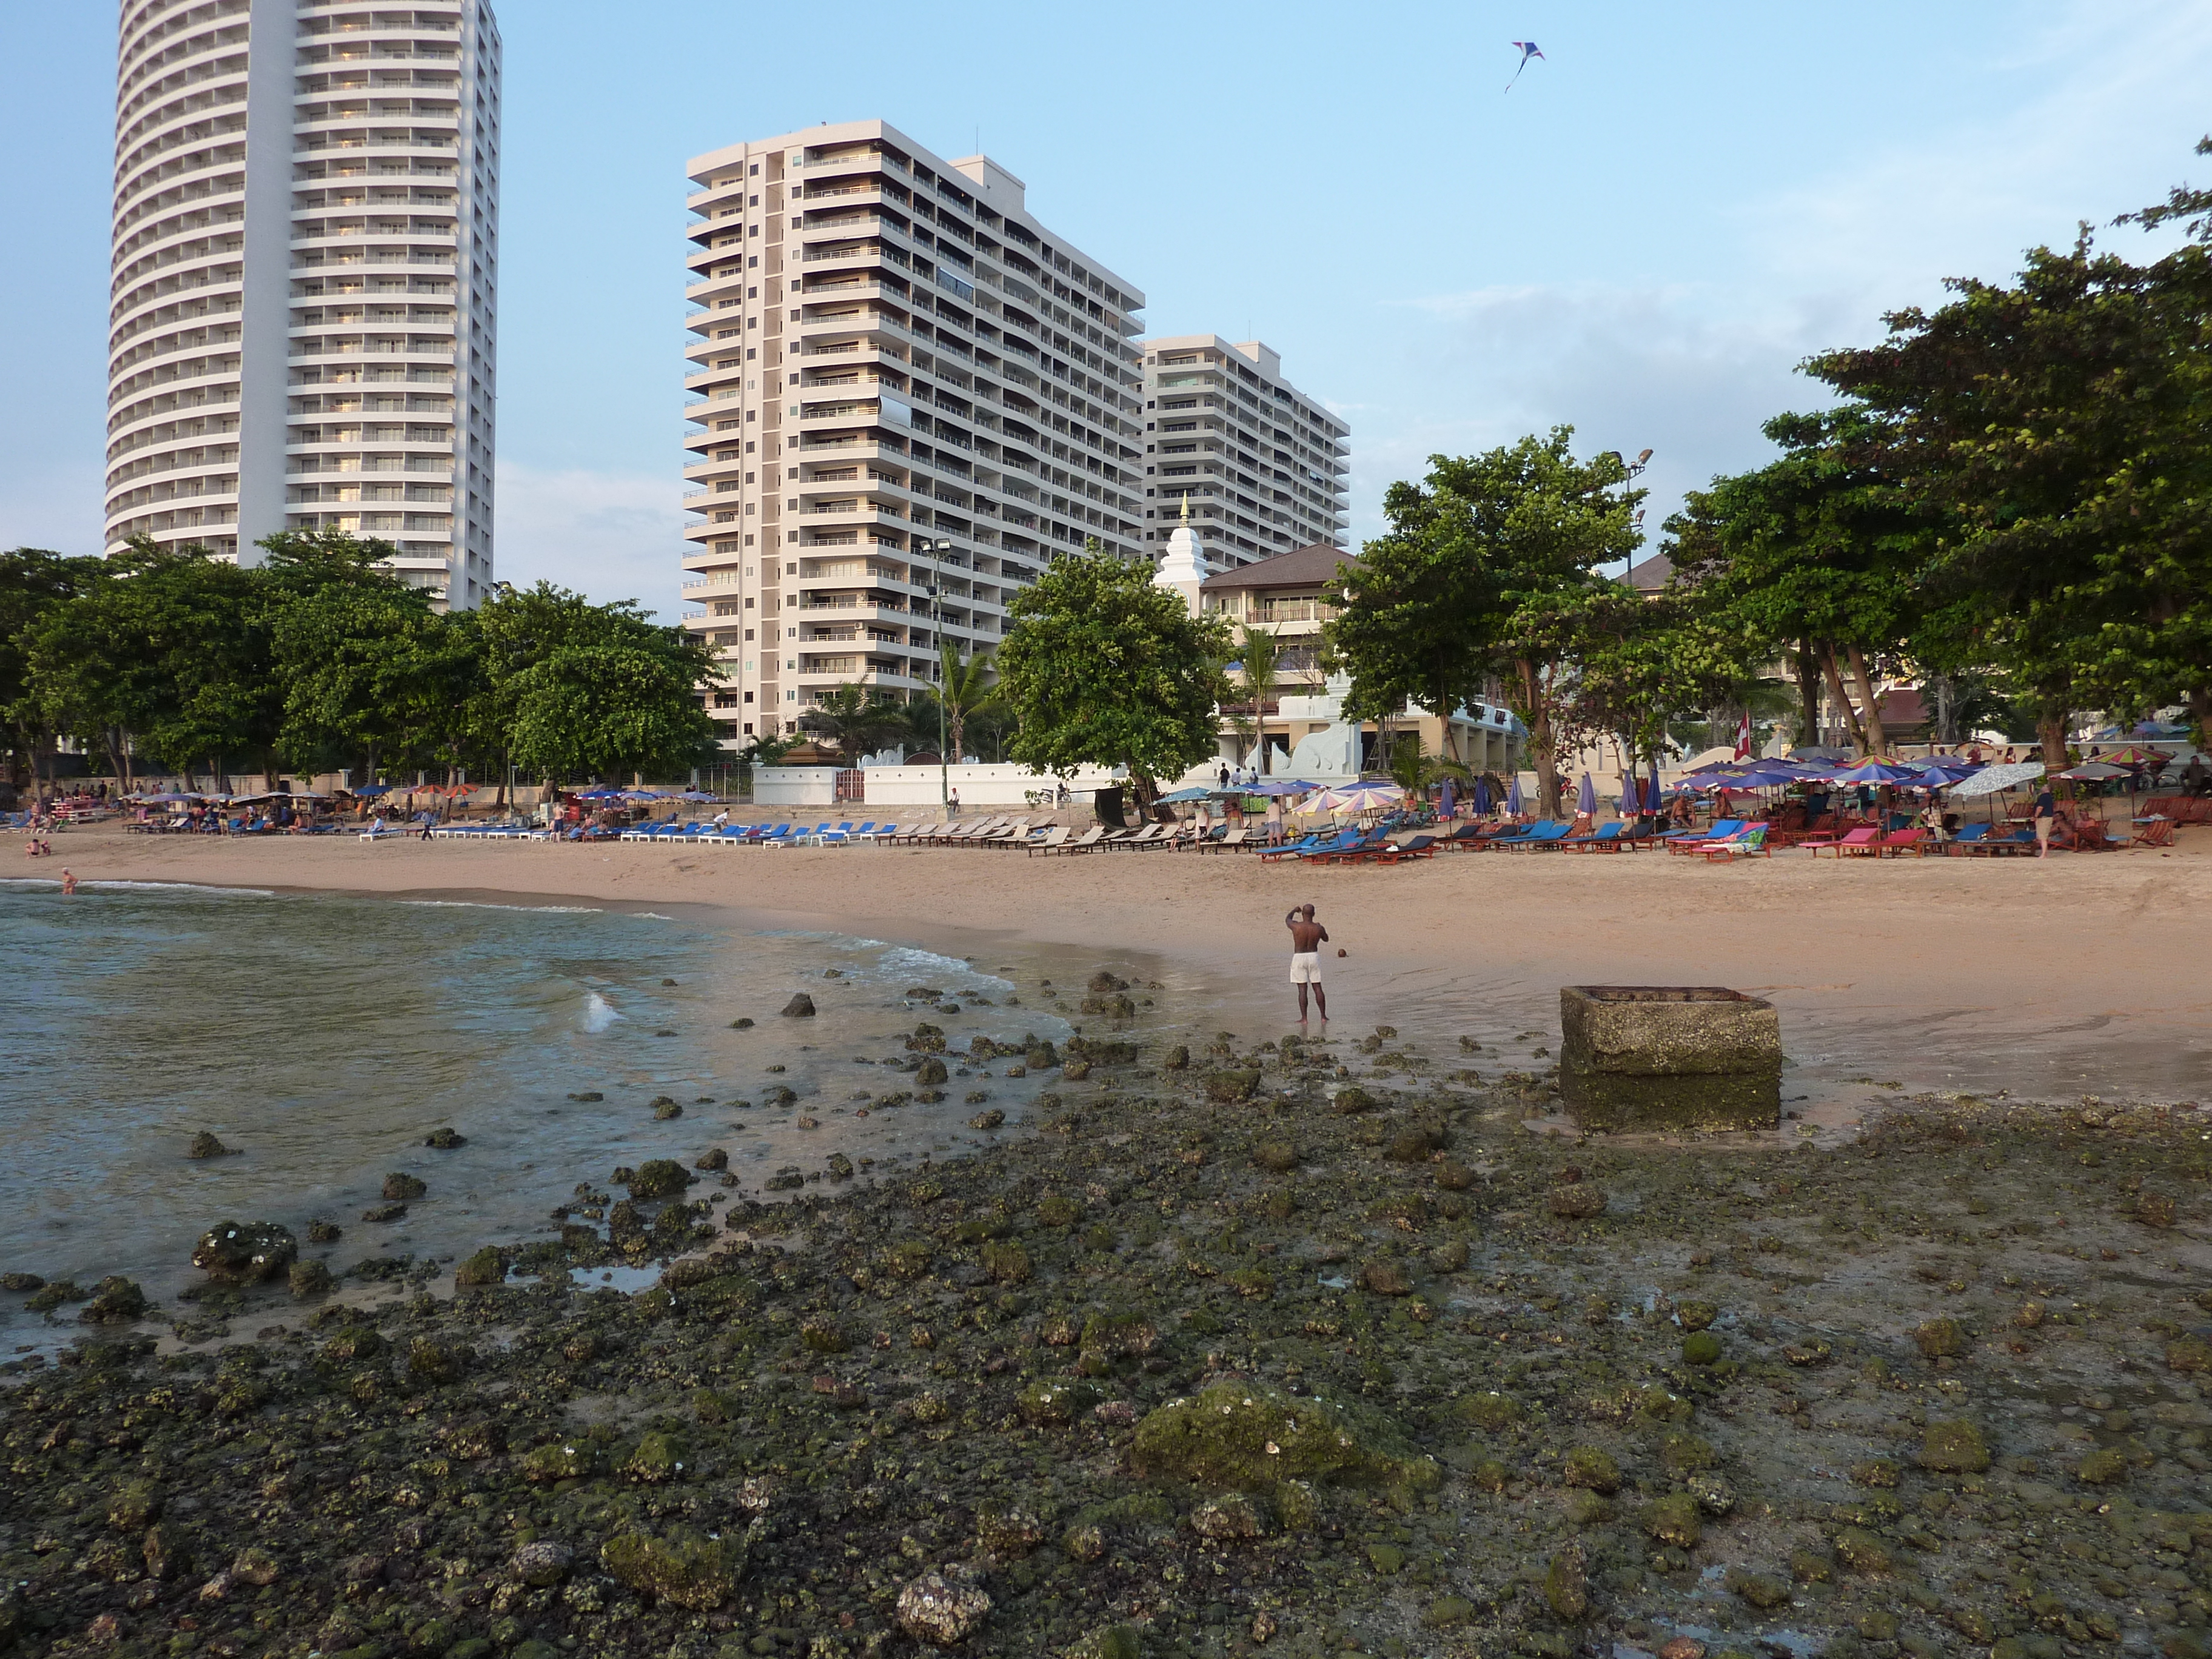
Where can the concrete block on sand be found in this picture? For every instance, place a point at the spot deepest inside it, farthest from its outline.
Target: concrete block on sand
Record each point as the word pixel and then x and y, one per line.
pixel 1643 1057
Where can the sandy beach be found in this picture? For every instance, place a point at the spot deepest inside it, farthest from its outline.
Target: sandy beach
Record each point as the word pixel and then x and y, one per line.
pixel 2077 975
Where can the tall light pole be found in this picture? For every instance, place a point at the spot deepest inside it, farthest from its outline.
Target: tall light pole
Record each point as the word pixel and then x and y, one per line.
pixel 1631 471
pixel 936 549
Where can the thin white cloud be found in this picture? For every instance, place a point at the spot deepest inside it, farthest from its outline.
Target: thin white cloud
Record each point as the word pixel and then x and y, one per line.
pixel 608 534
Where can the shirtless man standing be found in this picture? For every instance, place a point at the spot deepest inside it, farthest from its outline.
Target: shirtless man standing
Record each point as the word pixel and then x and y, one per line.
pixel 1306 937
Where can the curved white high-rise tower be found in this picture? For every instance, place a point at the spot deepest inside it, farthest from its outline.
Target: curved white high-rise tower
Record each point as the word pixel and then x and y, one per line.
pixel 302 309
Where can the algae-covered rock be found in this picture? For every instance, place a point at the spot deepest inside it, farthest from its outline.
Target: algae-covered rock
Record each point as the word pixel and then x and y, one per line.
pixel 1231 1087
pixel 400 1187
pixel 245 1252
pixel 1674 1520
pixel 1008 1530
pixel 1696 1316
pixel 1566 1585
pixel 1279 1156
pixel 1685 1454
pixel 658 1458
pixel 1862 1551
pixel 1230 1518
pixel 1701 1348
pixel 1249 1436
pixel 1352 1100
pixel 1941 1339
pixel 134 1506
pixel 682 1567
pixel 1591 1467
pixel 1762 1590
pixel 2189 1353
pixel 1177 1059
pixel 1489 1410
pixel 930 1073
pixel 942 1611
pixel 1006 1262
pixel 2105 1467
pixel 801 1007
pixel 486 1267
pixel 1384 1276
pixel 115 1300
pixel 204 1144
pixel 311 1279
pixel 659 1177
pixel 1049 1404
pixel 1111 1641
pixel 559 1460
pixel 435 1362
pixel 1955 1447
pixel 1449 1612
pixel 1577 1201
pixel 445 1140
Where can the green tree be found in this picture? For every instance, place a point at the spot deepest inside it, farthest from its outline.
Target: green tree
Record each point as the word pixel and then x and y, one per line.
pixel 603 709
pixel 2059 424
pixel 1649 660
pixel 374 673
pixel 163 652
pixel 1822 549
pixel 1100 668
pixel 33 584
pixel 1490 566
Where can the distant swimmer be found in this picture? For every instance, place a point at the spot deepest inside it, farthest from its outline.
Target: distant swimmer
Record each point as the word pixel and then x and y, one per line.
pixel 1306 937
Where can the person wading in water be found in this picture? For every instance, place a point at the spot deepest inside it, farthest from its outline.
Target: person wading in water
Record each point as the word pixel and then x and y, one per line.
pixel 1306 937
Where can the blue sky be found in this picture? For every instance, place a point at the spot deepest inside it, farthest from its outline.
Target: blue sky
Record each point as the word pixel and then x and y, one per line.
pixel 1642 239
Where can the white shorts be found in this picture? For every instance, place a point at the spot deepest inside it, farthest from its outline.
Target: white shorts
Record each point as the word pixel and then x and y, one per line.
pixel 1305 966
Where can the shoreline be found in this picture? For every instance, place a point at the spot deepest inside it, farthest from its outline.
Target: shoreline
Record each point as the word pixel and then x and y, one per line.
pixel 2052 979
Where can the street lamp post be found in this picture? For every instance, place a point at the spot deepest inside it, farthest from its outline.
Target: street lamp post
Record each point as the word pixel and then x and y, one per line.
pixel 936 547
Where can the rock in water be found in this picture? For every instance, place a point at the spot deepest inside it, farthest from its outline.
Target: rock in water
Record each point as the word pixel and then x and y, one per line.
pixel 400 1187
pixel 936 1610
pixel 445 1140
pixel 245 1252
pixel 659 1177
pixel 204 1144
pixel 115 1300
pixel 801 1007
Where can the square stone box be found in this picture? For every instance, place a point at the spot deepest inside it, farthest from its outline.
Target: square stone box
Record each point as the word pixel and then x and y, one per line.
pixel 1659 1057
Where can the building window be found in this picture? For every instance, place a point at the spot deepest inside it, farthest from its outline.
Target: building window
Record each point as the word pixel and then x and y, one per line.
pixel 749 725
pixel 749 697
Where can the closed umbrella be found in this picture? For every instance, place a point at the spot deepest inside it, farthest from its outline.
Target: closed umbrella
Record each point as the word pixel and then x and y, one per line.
pixel 1481 799
pixel 1630 796
pixel 1513 797
pixel 1447 797
pixel 1586 797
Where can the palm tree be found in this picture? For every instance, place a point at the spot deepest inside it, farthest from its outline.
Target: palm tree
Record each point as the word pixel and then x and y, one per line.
pixel 966 689
pixel 1414 771
pixel 1262 656
pixel 856 719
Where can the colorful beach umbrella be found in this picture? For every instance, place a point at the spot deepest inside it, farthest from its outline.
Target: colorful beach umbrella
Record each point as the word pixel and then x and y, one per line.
pixel 1361 797
pixel 1992 779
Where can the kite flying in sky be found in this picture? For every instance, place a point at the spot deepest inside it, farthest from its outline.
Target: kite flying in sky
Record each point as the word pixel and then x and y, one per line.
pixel 1527 50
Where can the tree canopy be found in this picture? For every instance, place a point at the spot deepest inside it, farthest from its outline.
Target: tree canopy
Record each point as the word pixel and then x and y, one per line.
pixel 1100 668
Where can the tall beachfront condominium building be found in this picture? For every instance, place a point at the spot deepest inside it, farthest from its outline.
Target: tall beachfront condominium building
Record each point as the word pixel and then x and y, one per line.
pixel 305 278
pixel 908 396
pixel 1260 466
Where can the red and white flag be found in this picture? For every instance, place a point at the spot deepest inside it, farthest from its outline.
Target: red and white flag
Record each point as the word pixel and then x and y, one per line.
pixel 1743 739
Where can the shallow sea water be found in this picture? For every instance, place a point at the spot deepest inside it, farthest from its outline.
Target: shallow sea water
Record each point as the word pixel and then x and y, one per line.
pixel 323 1037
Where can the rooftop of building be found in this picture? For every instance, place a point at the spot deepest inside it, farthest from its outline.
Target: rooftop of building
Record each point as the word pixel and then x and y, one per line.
pixel 1654 573
pixel 1308 567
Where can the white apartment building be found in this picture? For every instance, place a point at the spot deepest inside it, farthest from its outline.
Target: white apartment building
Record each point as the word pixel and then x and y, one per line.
pixel 908 397
pixel 306 262
pixel 1262 468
